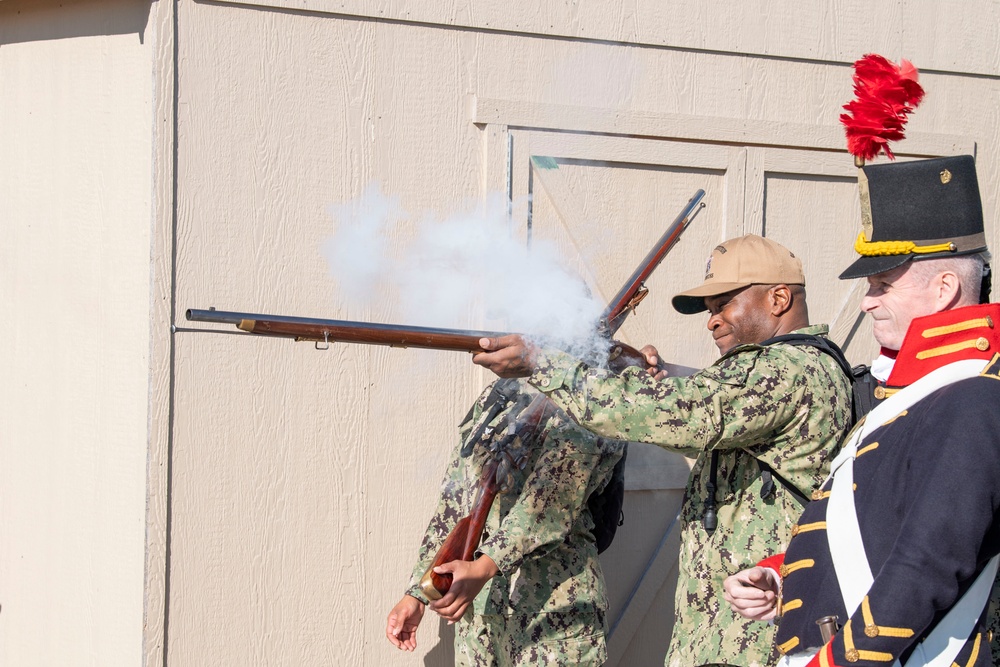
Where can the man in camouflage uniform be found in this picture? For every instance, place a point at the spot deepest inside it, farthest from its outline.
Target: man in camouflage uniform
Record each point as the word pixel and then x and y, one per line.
pixel 536 589
pixel 763 411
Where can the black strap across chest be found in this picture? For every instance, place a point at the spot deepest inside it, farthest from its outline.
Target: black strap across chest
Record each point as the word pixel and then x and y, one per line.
pixel 862 402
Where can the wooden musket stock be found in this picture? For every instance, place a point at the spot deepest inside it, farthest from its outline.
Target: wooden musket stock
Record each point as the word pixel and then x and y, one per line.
pixel 463 540
pixel 346 331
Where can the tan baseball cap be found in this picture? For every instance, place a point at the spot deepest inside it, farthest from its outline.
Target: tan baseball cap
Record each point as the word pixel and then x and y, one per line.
pixel 739 262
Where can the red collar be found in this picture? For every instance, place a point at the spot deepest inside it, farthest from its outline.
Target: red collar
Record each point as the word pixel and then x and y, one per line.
pixel 937 340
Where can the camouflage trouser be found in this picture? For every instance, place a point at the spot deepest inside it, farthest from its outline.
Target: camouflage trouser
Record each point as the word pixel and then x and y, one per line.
pixel 526 641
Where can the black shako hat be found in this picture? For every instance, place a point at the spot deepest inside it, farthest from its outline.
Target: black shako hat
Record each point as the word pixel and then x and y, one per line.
pixel 916 210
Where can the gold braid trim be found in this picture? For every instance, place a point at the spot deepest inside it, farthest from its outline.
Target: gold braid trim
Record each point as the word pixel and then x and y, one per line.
pixel 787 568
pixel 879 248
pixel 806 527
pixel 824 659
pixel 790 605
pixel 853 654
pixel 975 650
pixel 960 326
pixel 873 630
pixel 954 347
pixel 865 450
pixel 890 392
pixel 788 646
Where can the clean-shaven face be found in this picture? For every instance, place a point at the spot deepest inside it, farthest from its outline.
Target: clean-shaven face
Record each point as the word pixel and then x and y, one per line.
pixel 893 300
pixel 738 317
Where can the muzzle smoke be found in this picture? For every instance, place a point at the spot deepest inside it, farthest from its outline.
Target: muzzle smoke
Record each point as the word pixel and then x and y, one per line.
pixel 470 270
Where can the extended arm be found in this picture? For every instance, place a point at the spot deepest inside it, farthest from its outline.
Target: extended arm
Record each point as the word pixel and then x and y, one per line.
pixel 735 403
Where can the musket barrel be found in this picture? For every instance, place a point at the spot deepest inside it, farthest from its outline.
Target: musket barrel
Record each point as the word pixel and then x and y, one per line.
pixel 346 331
pixel 619 303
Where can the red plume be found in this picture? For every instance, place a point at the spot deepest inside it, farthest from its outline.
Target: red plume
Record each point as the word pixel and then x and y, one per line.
pixel 885 94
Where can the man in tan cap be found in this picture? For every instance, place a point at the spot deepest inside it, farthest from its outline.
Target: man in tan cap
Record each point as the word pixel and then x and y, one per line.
pixel 762 423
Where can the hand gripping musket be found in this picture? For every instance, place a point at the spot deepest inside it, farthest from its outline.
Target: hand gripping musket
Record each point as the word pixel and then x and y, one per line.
pixel 507 452
pixel 521 425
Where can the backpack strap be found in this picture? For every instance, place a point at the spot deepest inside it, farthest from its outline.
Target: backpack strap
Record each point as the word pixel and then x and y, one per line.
pixel 709 516
pixel 862 402
pixel 863 385
pixel 769 474
pixel 820 342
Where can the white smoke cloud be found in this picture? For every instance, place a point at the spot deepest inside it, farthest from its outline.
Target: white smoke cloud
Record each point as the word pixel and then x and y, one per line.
pixel 357 254
pixel 469 270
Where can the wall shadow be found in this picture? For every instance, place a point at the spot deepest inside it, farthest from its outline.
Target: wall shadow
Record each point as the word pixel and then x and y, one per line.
pixel 444 653
pixel 42 20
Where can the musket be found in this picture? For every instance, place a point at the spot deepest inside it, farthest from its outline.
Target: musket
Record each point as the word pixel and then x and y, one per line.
pixel 634 290
pixel 323 331
pixel 347 331
pixel 620 355
pixel 463 541
pixel 464 538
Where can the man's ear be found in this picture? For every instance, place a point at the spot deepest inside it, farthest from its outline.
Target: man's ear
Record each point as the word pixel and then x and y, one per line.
pixel 780 297
pixel 948 290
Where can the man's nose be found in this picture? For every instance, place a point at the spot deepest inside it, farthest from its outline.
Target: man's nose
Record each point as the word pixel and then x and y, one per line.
pixel 868 302
pixel 714 322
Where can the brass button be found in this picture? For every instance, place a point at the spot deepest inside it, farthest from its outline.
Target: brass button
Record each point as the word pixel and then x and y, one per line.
pixel 783 570
pixel 795 530
pixel 989 636
pixel 871 630
pixel 545 382
pixel 982 344
pixel 852 655
pixel 880 392
pixel 945 176
pixel 989 321
pixel 817 494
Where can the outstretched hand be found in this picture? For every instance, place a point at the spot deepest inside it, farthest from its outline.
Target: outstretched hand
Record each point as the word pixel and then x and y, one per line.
pixel 753 593
pixel 468 578
pixel 509 356
pixel 401 626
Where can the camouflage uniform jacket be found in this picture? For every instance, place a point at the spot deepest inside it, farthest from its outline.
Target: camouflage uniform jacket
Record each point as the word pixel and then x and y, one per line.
pixel 786 405
pixel 547 605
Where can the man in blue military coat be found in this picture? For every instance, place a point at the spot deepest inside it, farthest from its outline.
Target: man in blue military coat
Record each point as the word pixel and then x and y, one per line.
pixel 900 544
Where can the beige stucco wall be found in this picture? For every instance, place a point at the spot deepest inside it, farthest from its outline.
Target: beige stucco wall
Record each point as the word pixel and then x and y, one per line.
pixel 75 229
pixel 199 498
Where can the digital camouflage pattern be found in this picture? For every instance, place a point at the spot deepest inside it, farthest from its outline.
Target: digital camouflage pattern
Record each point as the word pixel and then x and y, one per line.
pixel 787 405
pixel 993 622
pixel 553 638
pixel 547 606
